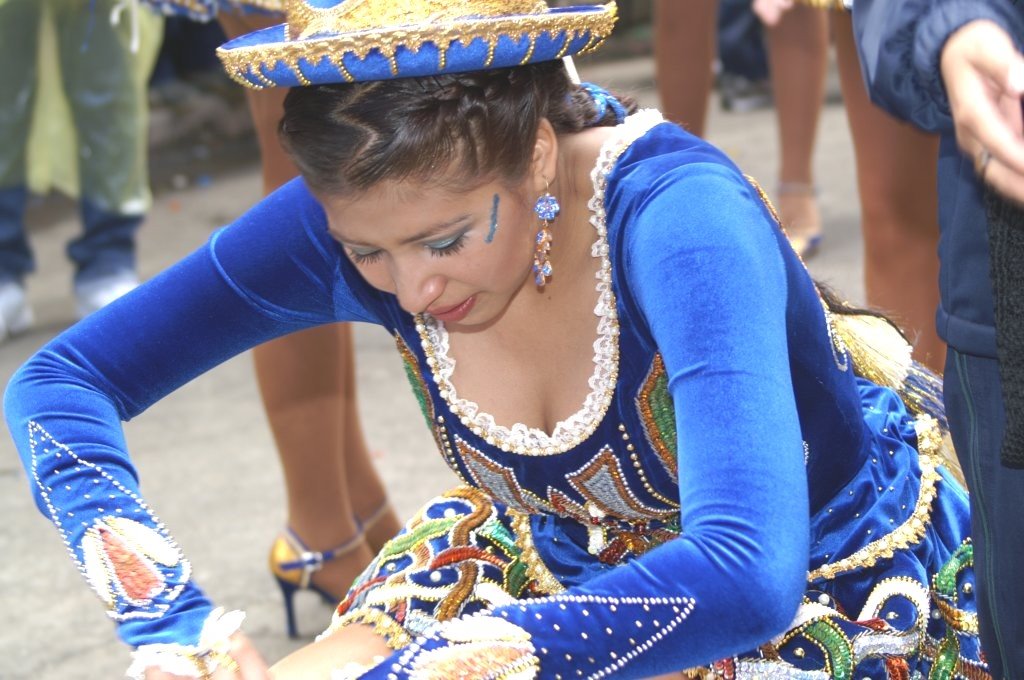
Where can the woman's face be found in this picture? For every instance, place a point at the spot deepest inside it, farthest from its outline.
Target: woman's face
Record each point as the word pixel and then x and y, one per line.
pixel 461 257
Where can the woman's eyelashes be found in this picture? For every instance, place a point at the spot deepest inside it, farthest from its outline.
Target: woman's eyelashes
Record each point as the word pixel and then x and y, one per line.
pixel 448 246
pixel 368 257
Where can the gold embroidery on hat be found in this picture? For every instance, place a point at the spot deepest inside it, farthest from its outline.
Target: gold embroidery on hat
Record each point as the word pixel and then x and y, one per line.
pixel 305 21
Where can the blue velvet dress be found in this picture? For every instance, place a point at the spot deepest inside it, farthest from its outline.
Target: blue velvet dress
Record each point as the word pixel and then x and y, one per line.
pixel 731 498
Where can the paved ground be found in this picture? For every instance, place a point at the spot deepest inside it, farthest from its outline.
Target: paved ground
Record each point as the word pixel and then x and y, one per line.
pixel 205 453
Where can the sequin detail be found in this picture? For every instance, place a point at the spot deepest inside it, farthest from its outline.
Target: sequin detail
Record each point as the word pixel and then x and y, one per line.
pixel 416 381
pixel 913 529
pixel 126 555
pixel 455 557
pixel 498 481
pixel 657 414
pixel 538 572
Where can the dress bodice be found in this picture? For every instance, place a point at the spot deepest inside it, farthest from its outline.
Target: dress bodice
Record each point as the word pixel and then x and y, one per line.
pixel 608 474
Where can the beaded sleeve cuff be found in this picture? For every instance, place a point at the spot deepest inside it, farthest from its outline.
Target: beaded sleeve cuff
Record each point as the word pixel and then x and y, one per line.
pixel 213 650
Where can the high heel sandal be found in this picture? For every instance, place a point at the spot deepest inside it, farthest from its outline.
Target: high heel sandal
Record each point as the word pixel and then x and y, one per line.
pixel 293 565
pixel 807 241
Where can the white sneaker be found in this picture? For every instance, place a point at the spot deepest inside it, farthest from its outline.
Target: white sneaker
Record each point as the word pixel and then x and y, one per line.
pixel 15 314
pixel 94 294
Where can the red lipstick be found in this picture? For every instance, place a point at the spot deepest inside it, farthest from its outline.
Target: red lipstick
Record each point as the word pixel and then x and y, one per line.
pixel 455 313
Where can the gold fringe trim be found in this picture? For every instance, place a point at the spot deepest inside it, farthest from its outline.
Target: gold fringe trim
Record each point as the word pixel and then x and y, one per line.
pixel 879 352
pixel 535 567
pixel 913 529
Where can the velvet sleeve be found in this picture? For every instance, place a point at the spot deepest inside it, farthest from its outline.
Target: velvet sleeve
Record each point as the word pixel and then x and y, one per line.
pixel 900 46
pixel 272 272
pixel 703 264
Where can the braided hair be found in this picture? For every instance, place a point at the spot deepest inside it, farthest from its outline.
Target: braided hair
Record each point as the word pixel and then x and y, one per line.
pixel 444 130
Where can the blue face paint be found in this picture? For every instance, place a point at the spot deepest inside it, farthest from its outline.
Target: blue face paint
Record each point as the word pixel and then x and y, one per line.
pixel 494 220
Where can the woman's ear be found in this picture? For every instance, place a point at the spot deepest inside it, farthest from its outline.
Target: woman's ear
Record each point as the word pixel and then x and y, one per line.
pixel 545 156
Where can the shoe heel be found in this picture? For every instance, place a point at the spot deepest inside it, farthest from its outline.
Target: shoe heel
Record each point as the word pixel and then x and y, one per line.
pixel 288 594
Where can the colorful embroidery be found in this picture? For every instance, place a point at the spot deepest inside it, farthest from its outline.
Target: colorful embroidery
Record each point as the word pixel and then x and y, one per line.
pixel 498 481
pixel 602 485
pixel 545 582
pixel 946 593
pixel 657 414
pixel 126 555
pixel 455 557
pixel 415 377
pixel 122 560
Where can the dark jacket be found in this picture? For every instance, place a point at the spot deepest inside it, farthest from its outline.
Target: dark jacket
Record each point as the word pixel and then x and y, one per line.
pixel 900 43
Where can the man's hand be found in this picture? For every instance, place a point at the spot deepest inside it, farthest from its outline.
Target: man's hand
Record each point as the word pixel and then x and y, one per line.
pixel 984 78
pixel 770 11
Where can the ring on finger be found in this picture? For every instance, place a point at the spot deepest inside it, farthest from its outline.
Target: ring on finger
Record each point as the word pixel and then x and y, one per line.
pixel 981 163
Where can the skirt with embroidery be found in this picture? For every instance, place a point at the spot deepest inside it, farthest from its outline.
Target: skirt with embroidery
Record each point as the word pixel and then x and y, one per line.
pixel 889 592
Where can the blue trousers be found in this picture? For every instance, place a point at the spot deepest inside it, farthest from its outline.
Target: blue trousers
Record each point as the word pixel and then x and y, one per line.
pixel 974 406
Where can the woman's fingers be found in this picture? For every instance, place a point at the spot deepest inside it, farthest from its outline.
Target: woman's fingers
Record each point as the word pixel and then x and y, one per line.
pixel 251 665
pixel 242 662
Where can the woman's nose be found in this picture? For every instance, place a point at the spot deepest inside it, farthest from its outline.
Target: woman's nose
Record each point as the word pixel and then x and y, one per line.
pixel 416 291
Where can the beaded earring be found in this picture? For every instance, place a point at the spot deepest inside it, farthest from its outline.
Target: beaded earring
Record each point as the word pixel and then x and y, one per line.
pixel 547 209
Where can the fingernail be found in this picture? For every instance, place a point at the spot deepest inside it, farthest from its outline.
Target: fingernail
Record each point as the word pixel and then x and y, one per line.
pixel 1015 81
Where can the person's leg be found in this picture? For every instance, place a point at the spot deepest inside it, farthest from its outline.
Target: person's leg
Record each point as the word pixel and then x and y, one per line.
pixel 896 169
pixel 19 33
pixel 798 50
pixel 307 381
pixel 974 406
pixel 684 50
pixel 105 85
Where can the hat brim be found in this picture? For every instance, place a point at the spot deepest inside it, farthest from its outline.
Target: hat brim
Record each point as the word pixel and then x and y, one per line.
pixel 267 58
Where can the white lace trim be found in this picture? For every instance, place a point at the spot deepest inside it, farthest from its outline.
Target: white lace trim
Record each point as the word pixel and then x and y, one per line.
pixel 570 432
pixel 213 650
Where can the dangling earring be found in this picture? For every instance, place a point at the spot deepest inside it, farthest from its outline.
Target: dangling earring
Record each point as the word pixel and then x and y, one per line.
pixel 547 209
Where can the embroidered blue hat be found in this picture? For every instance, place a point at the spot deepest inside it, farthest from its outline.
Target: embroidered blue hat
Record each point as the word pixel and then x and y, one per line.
pixel 344 41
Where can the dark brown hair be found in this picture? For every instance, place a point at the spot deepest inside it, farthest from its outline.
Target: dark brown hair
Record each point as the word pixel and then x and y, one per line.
pixel 445 130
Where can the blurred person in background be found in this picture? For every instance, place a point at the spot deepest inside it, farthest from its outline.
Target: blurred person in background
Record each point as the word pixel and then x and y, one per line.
pixel 103 62
pixel 685 45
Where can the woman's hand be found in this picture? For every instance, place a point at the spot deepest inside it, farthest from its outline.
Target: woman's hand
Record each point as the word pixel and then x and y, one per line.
pixel 771 11
pixel 984 78
pixel 248 665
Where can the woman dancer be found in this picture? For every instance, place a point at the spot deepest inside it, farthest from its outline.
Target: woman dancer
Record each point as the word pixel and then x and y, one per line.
pixel 716 483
